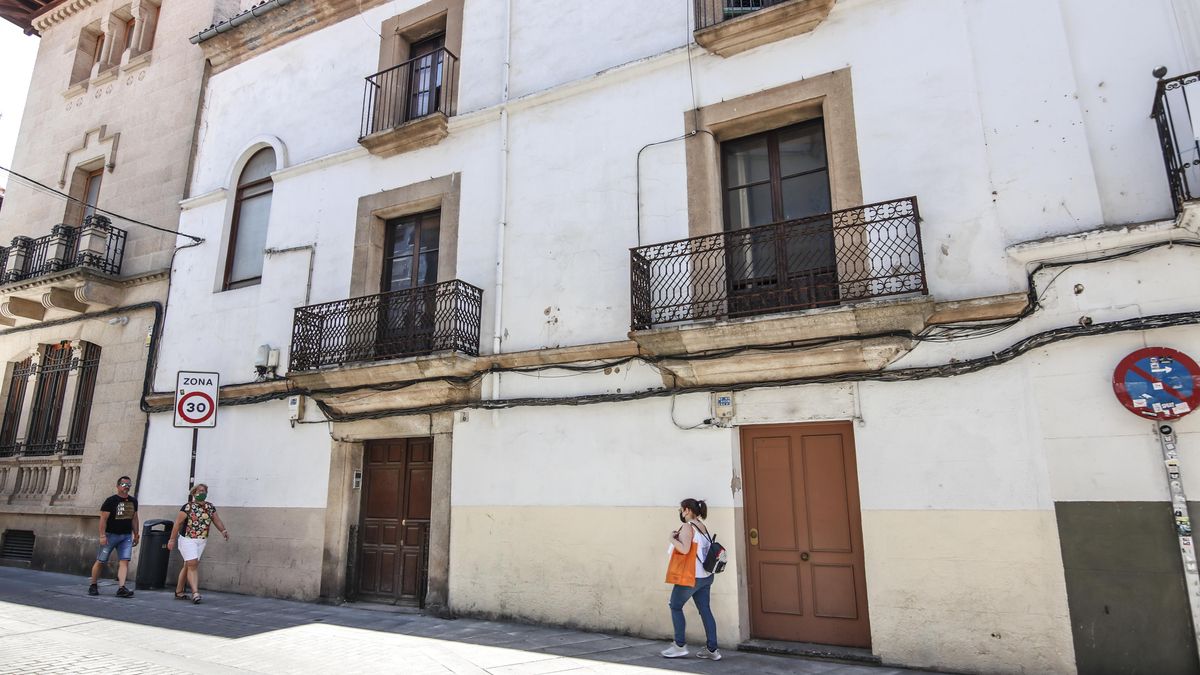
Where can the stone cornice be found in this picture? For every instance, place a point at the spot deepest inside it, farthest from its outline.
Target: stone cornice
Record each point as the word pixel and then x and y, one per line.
pixel 60 12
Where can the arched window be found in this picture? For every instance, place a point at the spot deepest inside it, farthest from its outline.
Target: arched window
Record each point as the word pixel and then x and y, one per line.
pixel 251 211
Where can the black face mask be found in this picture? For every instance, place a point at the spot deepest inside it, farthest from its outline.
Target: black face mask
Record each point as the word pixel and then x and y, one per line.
pixel 681 518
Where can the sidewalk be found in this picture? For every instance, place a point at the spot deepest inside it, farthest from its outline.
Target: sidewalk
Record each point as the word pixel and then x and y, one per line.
pixel 49 624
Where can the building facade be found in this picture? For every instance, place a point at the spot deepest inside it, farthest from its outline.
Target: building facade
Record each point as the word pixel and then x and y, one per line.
pixel 107 129
pixel 492 286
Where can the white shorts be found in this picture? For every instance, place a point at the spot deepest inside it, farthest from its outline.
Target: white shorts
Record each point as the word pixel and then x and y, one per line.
pixel 191 549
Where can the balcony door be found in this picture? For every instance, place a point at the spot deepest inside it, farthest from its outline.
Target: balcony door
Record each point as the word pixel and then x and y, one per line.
pixel 425 85
pixel 780 254
pixel 406 319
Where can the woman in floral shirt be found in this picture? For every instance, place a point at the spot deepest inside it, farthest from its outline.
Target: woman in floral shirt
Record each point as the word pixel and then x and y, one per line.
pixel 191 529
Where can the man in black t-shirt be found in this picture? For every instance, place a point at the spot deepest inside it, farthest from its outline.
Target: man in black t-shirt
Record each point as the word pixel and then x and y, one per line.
pixel 118 530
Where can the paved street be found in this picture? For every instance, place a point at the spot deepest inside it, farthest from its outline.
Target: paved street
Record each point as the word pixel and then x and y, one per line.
pixel 48 624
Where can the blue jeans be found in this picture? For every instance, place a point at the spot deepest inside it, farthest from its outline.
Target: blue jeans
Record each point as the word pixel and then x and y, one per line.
pixel 122 542
pixel 699 593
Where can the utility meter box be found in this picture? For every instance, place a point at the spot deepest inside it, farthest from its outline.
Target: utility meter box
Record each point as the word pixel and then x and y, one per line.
pixel 722 405
pixel 295 407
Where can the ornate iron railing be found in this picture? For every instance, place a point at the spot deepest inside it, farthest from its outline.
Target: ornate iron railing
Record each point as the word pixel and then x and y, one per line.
pixel 855 254
pixel 411 322
pixel 97 245
pixel 418 87
pixel 713 12
pixel 1178 122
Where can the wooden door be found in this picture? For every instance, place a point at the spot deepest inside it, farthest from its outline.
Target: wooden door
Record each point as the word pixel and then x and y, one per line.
pixel 406 320
pixel 805 551
pixel 393 554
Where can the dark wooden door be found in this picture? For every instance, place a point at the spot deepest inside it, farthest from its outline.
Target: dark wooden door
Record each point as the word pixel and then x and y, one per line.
pixel 393 553
pixel 425 85
pixel 805 552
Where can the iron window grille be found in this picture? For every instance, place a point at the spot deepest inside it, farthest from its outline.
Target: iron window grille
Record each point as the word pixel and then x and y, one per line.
pixel 396 324
pixel 45 415
pixel 420 86
pixel 1178 122
pixel 876 252
pixel 712 12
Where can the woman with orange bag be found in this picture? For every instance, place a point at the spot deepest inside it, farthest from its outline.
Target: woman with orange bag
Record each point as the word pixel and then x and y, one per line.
pixel 689 546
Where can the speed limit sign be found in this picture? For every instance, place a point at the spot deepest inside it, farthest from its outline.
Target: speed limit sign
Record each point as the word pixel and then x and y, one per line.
pixel 196 399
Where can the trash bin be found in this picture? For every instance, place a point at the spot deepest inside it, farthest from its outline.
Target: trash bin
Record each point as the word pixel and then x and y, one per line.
pixel 152 563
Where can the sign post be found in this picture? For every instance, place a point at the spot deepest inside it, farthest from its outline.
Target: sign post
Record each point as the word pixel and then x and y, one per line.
pixel 1163 384
pixel 196 395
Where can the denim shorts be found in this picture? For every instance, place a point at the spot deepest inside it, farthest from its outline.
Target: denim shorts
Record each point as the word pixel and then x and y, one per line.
pixel 123 543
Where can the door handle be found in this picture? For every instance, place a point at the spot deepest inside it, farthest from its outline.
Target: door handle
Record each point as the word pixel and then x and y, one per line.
pixel 804 556
pixel 754 536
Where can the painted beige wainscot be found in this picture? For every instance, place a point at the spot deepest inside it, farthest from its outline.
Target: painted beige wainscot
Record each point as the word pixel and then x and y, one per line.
pixel 599 568
pixel 968 591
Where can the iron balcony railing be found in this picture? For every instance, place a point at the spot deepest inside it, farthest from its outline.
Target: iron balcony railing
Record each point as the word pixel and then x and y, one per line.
pixel 97 245
pixel 1178 120
pixel 713 12
pixel 418 87
pixel 410 322
pixel 855 254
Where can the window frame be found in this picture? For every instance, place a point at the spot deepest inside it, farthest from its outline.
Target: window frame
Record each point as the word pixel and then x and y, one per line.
pixel 254 187
pixel 45 414
pixel 422 221
pixel 130 24
pixel 775 176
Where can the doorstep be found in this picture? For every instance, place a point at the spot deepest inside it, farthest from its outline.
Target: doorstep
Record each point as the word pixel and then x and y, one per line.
pixel 810 650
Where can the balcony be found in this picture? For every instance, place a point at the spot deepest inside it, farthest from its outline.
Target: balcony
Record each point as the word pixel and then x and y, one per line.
pixel 1178 121
pixel 407 106
pixel 69 269
pixel 853 272
pixel 364 341
pixel 727 27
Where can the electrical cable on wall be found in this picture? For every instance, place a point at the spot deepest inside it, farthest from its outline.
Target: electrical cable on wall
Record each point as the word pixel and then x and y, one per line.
pixel 46 189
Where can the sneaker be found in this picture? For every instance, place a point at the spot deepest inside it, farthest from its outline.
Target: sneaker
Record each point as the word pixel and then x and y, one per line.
pixel 123 592
pixel 674 651
pixel 93 590
pixel 715 654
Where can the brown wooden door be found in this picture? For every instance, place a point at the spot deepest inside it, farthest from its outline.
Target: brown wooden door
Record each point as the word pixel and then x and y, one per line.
pixel 393 553
pixel 805 550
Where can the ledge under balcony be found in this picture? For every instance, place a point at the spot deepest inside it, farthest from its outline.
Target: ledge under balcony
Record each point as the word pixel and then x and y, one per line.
pixel 397 342
pixel 851 281
pixel 408 106
pixel 69 271
pixel 727 27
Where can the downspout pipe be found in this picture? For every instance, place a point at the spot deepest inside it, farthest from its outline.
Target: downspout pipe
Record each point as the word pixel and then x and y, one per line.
pixel 502 225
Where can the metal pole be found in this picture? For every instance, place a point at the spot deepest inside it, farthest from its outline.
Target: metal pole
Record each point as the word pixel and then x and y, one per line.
pixel 1183 523
pixel 192 471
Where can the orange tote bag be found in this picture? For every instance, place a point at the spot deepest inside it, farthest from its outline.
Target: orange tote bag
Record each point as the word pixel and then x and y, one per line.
pixel 681 570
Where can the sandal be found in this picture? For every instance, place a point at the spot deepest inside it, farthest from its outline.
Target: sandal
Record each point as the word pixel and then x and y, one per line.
pixel 196 599
pixel 181 596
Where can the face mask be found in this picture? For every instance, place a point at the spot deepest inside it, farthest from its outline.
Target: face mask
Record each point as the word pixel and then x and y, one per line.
pixel 681 518
pixel 201 496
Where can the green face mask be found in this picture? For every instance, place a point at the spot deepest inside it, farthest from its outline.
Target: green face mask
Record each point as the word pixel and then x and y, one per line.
pixel 201 496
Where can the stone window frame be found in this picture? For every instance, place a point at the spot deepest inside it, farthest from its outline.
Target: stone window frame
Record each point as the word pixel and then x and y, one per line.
pixel 828 96
pixel 441 193
pixel 401 31
pixel 85 54
pixel 75 210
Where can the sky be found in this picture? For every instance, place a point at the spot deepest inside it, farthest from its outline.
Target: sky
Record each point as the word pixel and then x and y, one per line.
pixel 17 53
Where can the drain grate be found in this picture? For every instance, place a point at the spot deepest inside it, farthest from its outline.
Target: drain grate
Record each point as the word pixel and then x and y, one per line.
pixel 17 545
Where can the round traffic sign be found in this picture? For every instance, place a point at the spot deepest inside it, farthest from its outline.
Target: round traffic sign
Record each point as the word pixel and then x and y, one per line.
pixel 195 407
pixel 1158 383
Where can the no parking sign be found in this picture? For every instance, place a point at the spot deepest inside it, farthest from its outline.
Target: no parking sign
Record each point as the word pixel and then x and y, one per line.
pixel 1158 383
pixel 196 399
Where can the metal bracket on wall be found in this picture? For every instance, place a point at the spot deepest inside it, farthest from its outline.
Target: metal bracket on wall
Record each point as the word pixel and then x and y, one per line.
pixel 1183 523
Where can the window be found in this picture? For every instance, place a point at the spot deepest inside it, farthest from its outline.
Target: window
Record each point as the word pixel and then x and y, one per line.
pixel 98 49
pixel 426 76
pixel 91 192
pixel 63 370
pixel 411 251
pixel 129 26
pixel 251 213
pixel 780 176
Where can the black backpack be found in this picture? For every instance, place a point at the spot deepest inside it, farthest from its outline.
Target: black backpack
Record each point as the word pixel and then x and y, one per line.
pixel 714 562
